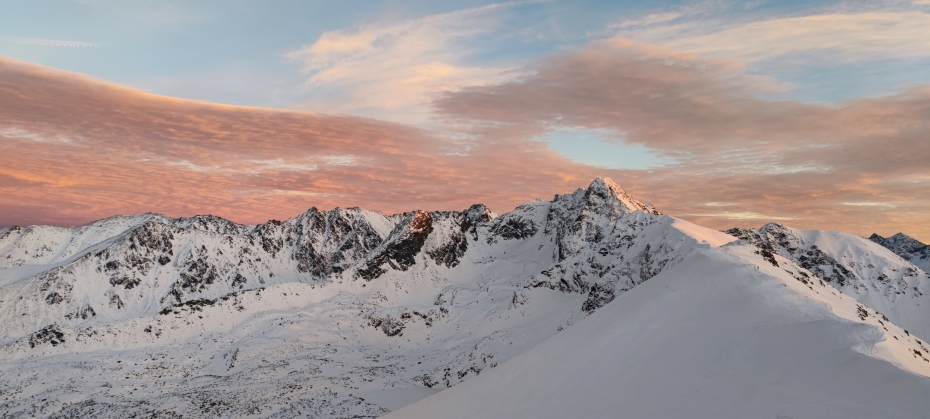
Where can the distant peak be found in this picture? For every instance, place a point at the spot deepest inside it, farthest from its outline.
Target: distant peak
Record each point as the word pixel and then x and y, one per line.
pixel 899 238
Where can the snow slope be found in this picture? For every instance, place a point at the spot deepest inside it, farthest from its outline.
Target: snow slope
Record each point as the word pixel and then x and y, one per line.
pixel 858 267
pixel 724 334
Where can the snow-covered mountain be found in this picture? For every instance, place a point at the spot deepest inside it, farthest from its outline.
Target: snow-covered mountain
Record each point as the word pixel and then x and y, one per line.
pixel 353 313
pixel 337 313
pixel 858 267
pixel 907 247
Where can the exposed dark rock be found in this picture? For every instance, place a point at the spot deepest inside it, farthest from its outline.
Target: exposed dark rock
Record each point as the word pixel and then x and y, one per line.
pixel 125 281
pixel 53 298
pixel 515 228
pixel 766 250
pixel 84 314
pixel 450 253
pixel 238 281
pixel 394 324
pixel 402 246
pixel 199 274
pixel 197 305
pixel 598 296
pixel 389 325
pixel 116 302
pixel 329 242
pixel 50 334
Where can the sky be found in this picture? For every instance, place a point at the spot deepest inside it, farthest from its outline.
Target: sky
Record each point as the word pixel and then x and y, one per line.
pixel 725 113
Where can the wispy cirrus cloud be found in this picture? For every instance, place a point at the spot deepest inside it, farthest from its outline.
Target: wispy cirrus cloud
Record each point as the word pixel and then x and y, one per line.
pixel 837 36
pixel 394 68
pixel 50 42
pixel 845 32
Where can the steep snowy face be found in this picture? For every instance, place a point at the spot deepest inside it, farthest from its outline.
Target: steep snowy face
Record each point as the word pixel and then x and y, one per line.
pixel 856 266
pixel 354 300
pixel 907 247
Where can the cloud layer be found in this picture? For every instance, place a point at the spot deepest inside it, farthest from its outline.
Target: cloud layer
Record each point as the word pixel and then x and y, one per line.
pixel 86 149
pixel 840 36
pixel 76 149
pixel 50 42
pixel 860 166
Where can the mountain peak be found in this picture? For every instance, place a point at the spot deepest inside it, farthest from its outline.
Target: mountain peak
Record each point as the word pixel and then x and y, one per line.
pixel 897 240
pixel 605 184
pixel 904 237
pixel 605 188
pixel 907 247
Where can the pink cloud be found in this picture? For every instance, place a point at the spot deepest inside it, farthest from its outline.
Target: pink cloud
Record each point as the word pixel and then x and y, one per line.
pixel 78 149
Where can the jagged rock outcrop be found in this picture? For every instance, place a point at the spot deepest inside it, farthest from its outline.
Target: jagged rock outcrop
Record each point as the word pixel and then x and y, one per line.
pixel 400 249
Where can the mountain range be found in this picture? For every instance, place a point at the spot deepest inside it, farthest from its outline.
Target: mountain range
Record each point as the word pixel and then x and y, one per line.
pixel 585 305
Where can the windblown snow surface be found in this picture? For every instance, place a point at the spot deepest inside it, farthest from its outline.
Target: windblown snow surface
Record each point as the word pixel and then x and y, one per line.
pixel 576 304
